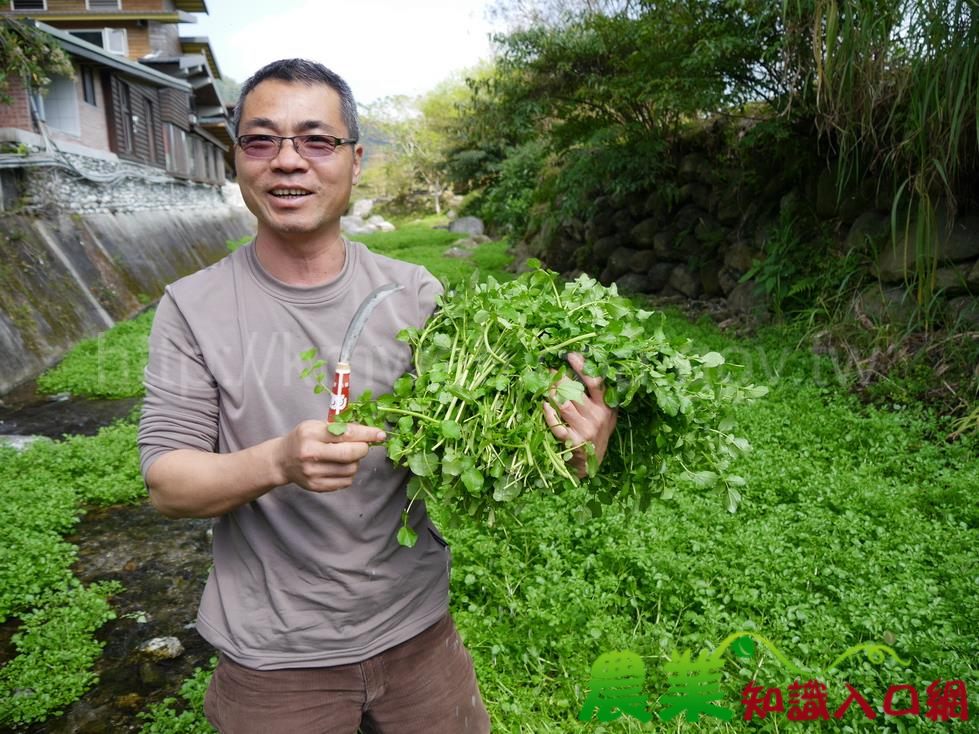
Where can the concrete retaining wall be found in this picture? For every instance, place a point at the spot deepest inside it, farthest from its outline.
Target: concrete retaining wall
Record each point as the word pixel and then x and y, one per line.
pixel 68 276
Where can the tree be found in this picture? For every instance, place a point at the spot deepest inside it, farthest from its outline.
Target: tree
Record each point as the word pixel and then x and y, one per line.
pixel 29 54
pixel 415 134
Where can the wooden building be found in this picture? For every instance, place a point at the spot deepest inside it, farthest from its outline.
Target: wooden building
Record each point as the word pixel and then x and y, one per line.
pixel 140 90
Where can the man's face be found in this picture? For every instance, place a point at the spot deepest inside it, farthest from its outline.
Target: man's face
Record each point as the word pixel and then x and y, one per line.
pixel 269 187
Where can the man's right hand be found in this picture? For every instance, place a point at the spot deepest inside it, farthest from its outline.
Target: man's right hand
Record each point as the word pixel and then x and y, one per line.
pixel 319 461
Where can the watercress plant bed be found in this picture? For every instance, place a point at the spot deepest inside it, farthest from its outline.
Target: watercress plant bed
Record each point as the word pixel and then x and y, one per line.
pixel 469 422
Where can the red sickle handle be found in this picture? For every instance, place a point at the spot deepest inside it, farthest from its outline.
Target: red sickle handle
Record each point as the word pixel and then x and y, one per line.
pixel 340 394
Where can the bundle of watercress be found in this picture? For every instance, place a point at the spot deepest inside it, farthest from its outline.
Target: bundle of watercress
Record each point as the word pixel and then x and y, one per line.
pixel 469 423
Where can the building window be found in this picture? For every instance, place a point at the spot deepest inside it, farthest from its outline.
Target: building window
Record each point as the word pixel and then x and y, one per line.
pixel 104 4
pixel 175 145
pixel 151 128
pixel 60 110
pixel 88 85
pixel 218 165
pixel 28 5
pixel 129 120
pixel 112 40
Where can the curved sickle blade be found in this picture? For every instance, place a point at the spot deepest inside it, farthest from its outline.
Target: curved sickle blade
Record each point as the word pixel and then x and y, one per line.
pixel 360 318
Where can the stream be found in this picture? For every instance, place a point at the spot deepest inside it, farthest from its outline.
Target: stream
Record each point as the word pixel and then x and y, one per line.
pixel 161 563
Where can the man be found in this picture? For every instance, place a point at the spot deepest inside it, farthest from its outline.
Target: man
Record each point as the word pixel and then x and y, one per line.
pixel 323 622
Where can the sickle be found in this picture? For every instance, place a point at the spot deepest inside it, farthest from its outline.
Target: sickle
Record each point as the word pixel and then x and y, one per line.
pixel 340 395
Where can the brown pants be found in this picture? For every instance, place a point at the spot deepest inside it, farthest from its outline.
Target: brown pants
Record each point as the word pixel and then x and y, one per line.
pixel 426 684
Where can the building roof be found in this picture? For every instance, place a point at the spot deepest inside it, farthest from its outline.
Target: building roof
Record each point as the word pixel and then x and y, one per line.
pixel 201 45
pixel 191 6
pixel 172 16
pixel 83 49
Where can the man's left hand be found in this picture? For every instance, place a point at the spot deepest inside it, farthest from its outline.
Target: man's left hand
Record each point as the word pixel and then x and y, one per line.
pixel 591 421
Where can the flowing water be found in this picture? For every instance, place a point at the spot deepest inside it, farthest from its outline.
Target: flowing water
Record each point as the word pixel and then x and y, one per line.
pixel 161 563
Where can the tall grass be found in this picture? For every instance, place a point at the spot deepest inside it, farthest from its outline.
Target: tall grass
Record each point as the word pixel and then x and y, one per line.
pixel 896 90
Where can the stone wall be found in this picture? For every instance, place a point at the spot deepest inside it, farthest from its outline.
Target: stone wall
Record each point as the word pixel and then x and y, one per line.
pixel 704 243
pixel 139 188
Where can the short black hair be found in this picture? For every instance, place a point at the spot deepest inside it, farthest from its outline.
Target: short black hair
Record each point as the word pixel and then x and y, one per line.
pixel 308 72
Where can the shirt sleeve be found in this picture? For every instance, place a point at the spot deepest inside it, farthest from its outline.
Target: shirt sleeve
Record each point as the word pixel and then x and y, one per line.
pixel 429 289
pixel 181 405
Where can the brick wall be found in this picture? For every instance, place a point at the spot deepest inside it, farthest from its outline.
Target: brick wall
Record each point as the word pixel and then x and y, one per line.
pixel 17 114
pixel 94 124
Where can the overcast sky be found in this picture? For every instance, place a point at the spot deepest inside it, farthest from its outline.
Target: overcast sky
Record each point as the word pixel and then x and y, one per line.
pixel 381 47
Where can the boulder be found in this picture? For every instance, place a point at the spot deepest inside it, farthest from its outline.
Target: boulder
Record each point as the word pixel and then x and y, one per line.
pixel 659 275
pixel 871 230
pixel 740 256
pixel 694 167
pixel 854 200
pixel 619 262
pixel 354 226
pixel 642 261
pixel 892 305
pixel 963 312
pixel 955 243
pixel 362 208
pixel 973 278
pixel 603 248
pixel 671 247
pixel 656 206
pixel 480 239
pixel 633 283
pixel 562 252
pixel 687 217
pixel 962 242
pixel 663 242
pixel 710 279
pixel 727 205
pixel 709 231
pixel 468 225
pixel 468 243
pixel 952 280
pixel 457 253
pixel 746 298
pixel 380 223
pixel 728 279
pixel 162 648
pixel 623 221
pixel 684 280
pixel 644 234
pixel 695 193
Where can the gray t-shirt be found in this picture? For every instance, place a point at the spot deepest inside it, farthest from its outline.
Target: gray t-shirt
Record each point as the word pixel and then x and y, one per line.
pixel 300 579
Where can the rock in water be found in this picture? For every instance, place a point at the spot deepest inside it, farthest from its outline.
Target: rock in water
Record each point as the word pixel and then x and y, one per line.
pixel 162 648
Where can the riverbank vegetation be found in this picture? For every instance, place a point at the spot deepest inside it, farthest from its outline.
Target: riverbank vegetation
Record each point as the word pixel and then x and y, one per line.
pixel 45 491
pixel 808 112
pixel 856 526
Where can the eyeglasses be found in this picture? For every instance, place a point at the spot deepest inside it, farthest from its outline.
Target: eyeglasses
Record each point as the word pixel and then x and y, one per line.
pixel 308 146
